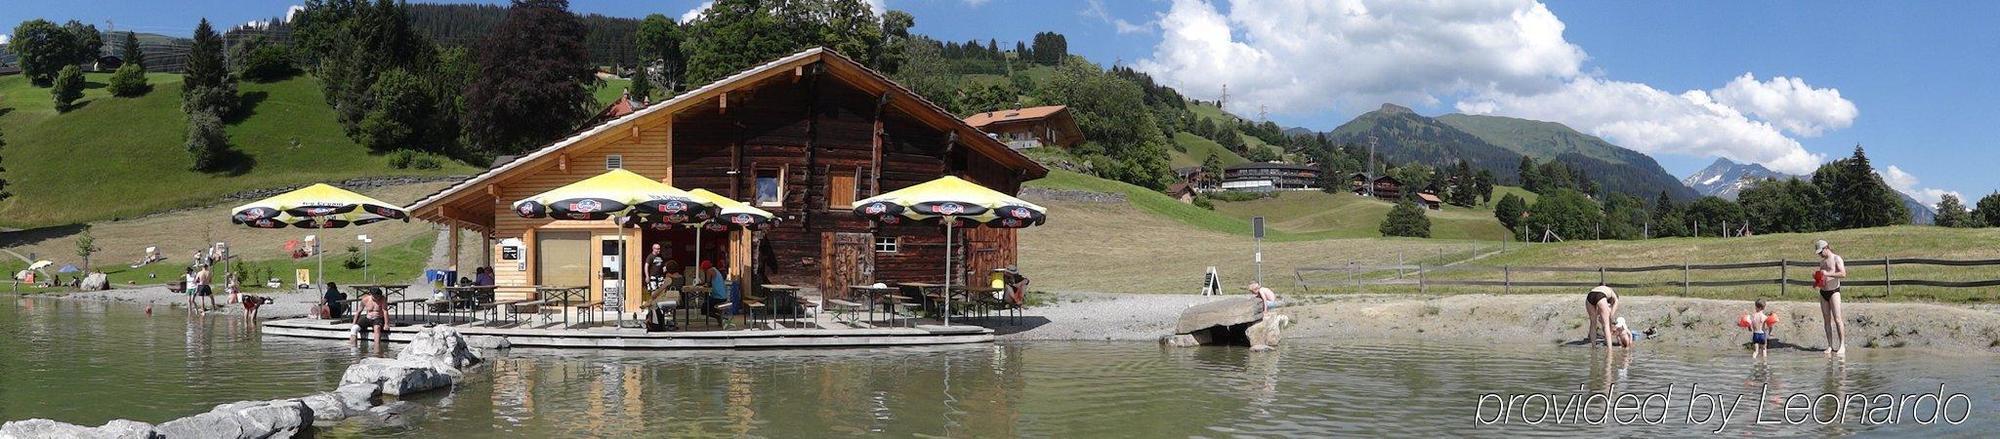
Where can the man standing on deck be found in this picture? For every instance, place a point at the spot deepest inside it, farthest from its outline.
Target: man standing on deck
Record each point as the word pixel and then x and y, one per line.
pixel 1827 280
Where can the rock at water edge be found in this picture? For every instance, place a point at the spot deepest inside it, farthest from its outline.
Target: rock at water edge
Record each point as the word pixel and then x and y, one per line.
pixel 326 407
pixel 1266 334
pixel 1220 313
pixel 397 377
pixel 46 428
pixel 442 346
pixel 95 282
pixel 358 396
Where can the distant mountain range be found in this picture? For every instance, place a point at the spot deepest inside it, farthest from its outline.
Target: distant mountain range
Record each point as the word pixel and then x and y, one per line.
pixel 1497 143
pixel 1727 179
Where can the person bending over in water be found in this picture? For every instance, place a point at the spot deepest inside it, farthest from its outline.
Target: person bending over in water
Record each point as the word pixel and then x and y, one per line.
pixel 1759 323
pixel 1601 304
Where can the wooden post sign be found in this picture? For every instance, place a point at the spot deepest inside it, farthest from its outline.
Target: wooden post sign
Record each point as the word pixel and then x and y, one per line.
pixel 1257 246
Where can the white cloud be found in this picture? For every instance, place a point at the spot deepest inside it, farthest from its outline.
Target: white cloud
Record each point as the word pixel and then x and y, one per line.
pixel 1789 103
pixel 1096 9
pixel 975 3
pixel 877 6
pixel 695 13
pixel 1502 57
pixel 1907 183
pixel 4 38
pixel 1653 121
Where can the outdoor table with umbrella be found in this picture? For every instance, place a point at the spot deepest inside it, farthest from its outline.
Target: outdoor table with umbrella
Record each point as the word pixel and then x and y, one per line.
pixel 725 214
pixel 632 198
pixel 956 203
pixel 319 206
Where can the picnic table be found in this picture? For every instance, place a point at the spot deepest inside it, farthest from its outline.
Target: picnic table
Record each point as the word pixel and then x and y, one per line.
pixel 562 297
pixel 875 296
pixel 387 289
pixel 780 293
pixel 935 296
pixel 468 298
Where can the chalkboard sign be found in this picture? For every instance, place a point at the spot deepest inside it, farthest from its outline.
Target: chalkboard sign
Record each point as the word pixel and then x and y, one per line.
pixel 1257 227
pixel 510 253
pixel 1211 283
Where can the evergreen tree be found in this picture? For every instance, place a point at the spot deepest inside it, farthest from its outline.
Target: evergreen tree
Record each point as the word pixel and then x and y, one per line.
pixel 205 67
pixel 1406 219
pixel 1952 213
pixel 1987 214
pixel 642 85
pixel 1508 210
pixel 67 88
pixel 128 81
pixel 1530 177
pixel 1464 187
pixel 1211 169
pixel 1668 220
pixel 206 141
pixel 530 88
pixel 41 49
pixel 1784 206
pixel 3 170
pixel 1856 194
pixel 896 40
pixel 131 53
pixel 1483 184
pixel 1625 216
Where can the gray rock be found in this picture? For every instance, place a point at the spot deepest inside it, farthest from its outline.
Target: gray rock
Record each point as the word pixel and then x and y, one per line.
pixel 45 428
pixel 282 418
pixel 394 414
pixel 358 396
pixel 488 342
pixel 214 424
pixel 1180 340
pixel 1266 334
pixel 326 407
pixel 95 282
pixel 1224 313
pixel 442 346
pixel 398 377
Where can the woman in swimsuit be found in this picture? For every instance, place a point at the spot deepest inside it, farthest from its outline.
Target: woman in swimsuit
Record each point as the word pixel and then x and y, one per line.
pixel 1601 304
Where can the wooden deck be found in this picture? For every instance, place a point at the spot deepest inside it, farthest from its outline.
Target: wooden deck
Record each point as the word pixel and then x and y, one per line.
pixel 615 338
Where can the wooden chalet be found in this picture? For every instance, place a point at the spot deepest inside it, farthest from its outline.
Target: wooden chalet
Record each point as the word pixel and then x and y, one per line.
pixel 802 136
pixel 1032 127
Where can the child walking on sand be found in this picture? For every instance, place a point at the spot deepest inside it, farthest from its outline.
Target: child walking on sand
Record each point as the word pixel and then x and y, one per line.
pixel 1759 323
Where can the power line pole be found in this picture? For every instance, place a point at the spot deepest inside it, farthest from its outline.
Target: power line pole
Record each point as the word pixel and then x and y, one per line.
pixel 1223 102
pixel 1263 113
pixel 1371 166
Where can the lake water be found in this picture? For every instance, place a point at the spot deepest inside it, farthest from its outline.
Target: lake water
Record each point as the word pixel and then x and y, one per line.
pixel 90 362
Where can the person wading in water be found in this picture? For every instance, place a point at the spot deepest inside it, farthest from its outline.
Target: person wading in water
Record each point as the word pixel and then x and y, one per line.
pixel 1827 279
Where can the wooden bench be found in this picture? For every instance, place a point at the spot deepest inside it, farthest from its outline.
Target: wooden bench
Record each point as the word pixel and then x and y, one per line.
pixel 541 308
pixel 843 311
pixel 494 309
pixel 587 313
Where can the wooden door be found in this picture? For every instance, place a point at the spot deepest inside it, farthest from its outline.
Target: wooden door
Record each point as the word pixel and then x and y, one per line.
pixel 987 249
pixel 849 259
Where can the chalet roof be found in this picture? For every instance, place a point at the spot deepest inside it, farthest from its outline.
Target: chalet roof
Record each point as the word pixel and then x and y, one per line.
pixel 981 120
pixel 1265 165
pixel 1428 197
pixel 971 136
pixel 1388 179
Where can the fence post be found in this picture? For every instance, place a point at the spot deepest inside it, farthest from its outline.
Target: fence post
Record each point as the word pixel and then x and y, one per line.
pixel 1350 277
pixel 1686 267
pixel 1422 286
pixel 1888 283
pixel 1600 275
pixel 1784 279
pixel 1507 279
pixel 1399 264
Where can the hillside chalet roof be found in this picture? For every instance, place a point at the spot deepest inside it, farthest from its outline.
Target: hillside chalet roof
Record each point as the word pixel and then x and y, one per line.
pixel 1428 197
pixel 981 120
pixel 840 67
pixel 1263 165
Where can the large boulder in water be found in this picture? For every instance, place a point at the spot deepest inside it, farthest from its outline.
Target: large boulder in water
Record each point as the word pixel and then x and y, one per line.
pixel 1265 334
pixel 95 282
pixel 441 346
pixel 45 428
pixel 1227 312
pixel 282 418
pixel 397 377
pixel 358 396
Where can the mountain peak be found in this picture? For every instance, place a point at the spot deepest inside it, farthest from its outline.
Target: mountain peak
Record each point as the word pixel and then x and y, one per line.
pixel 1722 162
pixel 1393 108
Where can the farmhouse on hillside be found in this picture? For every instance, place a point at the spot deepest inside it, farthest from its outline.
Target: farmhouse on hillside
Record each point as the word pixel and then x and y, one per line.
pixel 1258 177
pixel 1032 127
pixel 803 137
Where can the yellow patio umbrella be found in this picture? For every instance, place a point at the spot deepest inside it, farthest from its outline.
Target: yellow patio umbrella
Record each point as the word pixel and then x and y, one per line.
pixel 613 193
pixel 320 206
pixel 956 203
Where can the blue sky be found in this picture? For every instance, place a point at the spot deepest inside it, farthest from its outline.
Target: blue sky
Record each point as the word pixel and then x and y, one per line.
pixel 1910 81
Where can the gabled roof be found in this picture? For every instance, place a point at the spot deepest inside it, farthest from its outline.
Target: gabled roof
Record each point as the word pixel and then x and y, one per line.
pixel 1428 197
pixel 1013 114
pixel 841 67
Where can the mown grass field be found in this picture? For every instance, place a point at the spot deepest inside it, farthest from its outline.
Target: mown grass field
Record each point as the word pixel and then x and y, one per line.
pixel 123 157
pixel 396 262
pixel 1315 214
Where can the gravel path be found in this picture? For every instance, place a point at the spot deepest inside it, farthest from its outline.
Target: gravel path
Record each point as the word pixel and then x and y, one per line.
pixel 1101 316
pixel 287 305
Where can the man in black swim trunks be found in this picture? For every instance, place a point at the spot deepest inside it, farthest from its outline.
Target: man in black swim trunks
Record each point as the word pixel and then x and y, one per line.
pixel 1832 268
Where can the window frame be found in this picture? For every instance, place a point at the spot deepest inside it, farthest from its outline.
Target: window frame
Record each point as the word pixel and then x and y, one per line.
pixel 756 198
pixel 894 244
pixel 610 158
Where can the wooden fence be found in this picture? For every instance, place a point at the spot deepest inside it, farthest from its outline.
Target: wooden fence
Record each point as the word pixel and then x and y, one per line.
pixel 1359 276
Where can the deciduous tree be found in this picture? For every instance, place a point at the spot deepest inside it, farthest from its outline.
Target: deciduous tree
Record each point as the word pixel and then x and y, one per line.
pixel 1952 213
pixel 41 49
pixel 532 82
pixel 1406 219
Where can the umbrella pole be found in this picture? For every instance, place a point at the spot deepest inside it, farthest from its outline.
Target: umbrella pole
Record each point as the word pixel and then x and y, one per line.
pixel 947 269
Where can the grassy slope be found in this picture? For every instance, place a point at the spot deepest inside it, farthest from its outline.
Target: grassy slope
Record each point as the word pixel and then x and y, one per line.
pixel 122 157
pixel 1198 149
pixel 1323 215
pixel 1216 114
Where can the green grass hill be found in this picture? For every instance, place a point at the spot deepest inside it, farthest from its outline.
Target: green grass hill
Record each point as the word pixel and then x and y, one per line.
pixel 123 157
pixel 1290 216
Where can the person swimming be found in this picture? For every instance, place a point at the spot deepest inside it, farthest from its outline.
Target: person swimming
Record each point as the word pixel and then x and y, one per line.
pixel 1759 324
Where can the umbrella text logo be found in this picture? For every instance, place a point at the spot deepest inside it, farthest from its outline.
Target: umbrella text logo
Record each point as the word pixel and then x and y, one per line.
pixel 949 209
pixel 585 206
